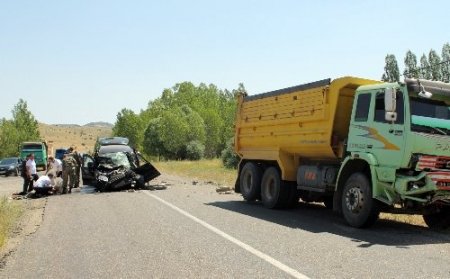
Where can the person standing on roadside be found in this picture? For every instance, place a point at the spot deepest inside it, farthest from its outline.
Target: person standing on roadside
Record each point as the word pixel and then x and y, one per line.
pixel 25 175
pixel 68 169
pixel 78 160
pixel 31 171
pixel 55 165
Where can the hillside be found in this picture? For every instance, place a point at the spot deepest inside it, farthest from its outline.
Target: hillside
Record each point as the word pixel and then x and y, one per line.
pixel 63 136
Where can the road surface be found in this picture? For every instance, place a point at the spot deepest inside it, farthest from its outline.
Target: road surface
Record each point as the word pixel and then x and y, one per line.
pixel 191 231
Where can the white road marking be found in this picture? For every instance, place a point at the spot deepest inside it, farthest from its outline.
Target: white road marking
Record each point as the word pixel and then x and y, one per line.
pixel 239 243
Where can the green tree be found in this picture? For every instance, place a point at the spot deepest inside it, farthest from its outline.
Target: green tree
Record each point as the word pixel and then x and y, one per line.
pixel 153 144
pixel 425 70
pixel 22 127
pixel 435 65
pixel 445 67
pixel 129 124
pixel 411 70
pixel 391 71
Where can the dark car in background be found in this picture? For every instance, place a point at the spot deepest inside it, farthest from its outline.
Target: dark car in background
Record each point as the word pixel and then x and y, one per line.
pixel 59 153
pixel 115 166
pixel 10 166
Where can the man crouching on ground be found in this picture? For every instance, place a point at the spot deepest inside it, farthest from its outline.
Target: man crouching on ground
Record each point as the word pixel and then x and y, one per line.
pixel 45 185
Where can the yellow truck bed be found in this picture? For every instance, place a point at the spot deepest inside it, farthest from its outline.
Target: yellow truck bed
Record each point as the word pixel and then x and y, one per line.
pixel 308 121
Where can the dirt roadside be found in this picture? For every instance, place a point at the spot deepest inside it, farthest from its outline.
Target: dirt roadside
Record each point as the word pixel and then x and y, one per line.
pixel 28 224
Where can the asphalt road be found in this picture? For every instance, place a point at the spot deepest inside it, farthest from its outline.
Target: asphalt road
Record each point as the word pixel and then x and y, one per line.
pixel 189 231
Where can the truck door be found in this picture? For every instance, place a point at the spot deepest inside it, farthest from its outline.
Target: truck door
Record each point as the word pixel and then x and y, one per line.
pixel 371 133
pixel 390 136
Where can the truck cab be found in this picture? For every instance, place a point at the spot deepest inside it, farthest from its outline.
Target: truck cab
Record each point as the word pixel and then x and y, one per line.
pixel 399 139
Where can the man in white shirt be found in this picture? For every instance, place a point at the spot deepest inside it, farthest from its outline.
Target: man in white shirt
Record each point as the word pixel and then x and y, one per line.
pixel 55 165
pixel 45 184
pixel 31 171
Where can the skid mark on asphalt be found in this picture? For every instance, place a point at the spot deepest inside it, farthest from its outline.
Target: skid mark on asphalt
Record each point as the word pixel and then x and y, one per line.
pixel 239 243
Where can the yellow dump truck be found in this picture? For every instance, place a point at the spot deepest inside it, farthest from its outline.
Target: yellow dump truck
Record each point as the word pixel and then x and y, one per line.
pixel 360 146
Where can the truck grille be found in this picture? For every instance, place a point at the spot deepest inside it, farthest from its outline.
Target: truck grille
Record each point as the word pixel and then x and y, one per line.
pixel 433 163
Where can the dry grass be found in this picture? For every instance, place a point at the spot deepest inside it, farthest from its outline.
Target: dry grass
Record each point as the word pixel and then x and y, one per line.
pixel 10 211
pixel 203 170
pixel 64 136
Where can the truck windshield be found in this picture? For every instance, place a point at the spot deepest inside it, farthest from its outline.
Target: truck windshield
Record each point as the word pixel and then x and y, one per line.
pixel 430 116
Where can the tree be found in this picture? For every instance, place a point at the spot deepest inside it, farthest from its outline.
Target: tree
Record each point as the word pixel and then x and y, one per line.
pixel 445 67
pixel 425 71
pixel 435 65
pixel 411 70
pixel 22 127
pixel 129 125
pixel 153 144
pixel 391 71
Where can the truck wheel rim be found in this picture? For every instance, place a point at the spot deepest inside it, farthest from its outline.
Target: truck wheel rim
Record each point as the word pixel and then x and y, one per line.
pixel 354 200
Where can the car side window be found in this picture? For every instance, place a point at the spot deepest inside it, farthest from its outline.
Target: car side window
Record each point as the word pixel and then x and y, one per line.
pixel 362 107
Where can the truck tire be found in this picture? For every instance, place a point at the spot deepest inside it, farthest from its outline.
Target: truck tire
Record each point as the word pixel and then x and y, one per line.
pixel 250 181
pixel 273 193
pixel 438 220
pixel 358 207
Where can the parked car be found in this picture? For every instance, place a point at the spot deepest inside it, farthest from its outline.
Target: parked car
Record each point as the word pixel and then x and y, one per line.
pixel 59 153
pixel 10 166
pixel 115 165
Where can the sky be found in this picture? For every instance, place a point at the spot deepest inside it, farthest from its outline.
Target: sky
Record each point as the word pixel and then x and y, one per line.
pixel 82 61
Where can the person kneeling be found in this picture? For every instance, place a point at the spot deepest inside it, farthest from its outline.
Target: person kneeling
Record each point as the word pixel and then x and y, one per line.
pixel 45 185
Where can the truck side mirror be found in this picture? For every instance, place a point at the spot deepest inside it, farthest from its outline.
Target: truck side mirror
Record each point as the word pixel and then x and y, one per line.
pixel 390 104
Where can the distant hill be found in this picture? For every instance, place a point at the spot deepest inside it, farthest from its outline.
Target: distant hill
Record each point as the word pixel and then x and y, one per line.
pixel 99 124
pixel 65 135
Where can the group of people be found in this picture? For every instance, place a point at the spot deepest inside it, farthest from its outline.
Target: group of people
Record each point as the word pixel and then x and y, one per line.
pixel 68 169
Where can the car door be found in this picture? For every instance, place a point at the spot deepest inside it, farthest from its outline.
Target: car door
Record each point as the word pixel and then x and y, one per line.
pixel 87 169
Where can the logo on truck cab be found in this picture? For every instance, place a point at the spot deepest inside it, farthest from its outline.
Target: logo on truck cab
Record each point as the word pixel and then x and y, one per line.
pixel 372 133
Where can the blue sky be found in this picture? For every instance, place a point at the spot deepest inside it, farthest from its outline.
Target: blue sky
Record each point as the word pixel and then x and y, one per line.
pixel 83 61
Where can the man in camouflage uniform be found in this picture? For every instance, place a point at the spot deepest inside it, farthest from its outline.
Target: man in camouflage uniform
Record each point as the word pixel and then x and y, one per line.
pixel 77 158
pixel 69 169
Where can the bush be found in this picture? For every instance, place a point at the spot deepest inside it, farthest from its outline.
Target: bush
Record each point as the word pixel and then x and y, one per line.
pixel 229 158
pixel 195 150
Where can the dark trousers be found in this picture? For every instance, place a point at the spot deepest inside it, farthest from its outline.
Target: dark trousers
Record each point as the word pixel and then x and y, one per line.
pixel 28 183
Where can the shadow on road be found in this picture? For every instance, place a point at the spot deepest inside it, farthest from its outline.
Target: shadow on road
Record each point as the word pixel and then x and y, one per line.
pixel 317 219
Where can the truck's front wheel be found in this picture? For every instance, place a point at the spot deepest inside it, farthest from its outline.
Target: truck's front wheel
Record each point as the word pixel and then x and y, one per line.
pixel 250 181
pixel 358 206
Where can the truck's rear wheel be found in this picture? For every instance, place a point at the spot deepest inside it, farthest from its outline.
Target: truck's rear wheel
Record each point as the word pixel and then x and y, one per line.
pixel 250 181
pixel 358 206
pixel 273 192
pixel 438 220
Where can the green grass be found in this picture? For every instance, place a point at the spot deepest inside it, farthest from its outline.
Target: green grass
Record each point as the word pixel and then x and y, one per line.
pixel 10 211
pixel 202 171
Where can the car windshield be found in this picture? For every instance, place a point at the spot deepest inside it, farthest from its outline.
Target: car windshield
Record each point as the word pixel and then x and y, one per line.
pixel 8 161
pixel 430 116
pixel 116 159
